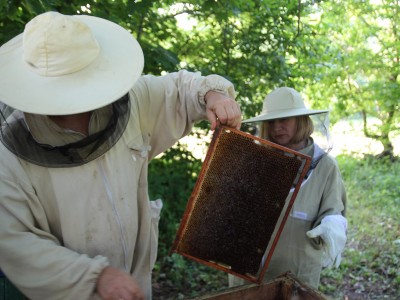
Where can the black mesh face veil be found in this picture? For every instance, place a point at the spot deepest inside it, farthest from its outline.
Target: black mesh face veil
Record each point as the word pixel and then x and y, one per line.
pixel 17 138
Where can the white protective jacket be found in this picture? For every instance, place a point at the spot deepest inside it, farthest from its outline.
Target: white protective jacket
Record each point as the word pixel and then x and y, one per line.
pixel 59 227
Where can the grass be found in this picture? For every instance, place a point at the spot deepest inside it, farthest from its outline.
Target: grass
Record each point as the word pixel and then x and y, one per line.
pixel 370 267
pixel 371 261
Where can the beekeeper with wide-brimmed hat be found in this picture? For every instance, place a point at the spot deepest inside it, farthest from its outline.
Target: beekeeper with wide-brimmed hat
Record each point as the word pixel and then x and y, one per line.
pixel 79 125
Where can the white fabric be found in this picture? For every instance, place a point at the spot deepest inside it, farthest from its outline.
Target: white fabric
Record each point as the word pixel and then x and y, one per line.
pixel 59 227
pixel 45 131
pixel 68 81
pixel 56 45
pixel 332 230
pixel 283 102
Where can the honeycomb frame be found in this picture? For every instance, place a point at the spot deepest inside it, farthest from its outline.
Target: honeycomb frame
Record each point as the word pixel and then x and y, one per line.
pixel 238 207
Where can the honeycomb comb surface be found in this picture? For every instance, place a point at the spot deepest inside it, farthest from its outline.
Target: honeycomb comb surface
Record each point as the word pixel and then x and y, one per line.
pixel 237 202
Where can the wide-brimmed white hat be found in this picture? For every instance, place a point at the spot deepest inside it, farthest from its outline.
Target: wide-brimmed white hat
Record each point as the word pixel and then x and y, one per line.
pixel 283 102
pixel 65 64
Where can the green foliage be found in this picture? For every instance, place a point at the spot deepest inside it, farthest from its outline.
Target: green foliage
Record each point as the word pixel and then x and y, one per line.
pixel 15 14
pixel 342 55
pixel 370 263
pixel 172 178
pixel 245 41
pixel 325 49
pixel 179 278
pixel 352 65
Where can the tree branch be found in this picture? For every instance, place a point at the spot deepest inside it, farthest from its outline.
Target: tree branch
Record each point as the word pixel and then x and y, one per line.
pixel 366 132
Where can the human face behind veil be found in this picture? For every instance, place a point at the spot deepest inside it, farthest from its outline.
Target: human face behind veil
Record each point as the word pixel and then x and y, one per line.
pixel 16 136
pixel 283 132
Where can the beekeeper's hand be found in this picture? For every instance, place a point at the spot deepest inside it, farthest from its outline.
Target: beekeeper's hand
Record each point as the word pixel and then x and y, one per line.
pixel 332 230
pixel 222 108
pixel 116 284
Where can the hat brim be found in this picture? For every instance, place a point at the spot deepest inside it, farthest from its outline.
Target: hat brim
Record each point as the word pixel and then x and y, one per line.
pixel 284 114
pixel 110 76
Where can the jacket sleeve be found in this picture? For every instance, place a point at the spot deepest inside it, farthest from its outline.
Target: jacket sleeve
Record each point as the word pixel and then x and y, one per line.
pixel 334 198
pixel 169 105
pixel 32 258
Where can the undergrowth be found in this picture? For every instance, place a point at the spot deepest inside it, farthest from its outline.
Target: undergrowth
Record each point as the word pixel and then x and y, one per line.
pixel 370 263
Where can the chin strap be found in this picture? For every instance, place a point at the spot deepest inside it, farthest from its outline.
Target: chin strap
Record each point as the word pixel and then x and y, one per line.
pixel 317 156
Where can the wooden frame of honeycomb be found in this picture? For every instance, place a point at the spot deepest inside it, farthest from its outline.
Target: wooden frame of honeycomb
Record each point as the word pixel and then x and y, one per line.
pixel 239 205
